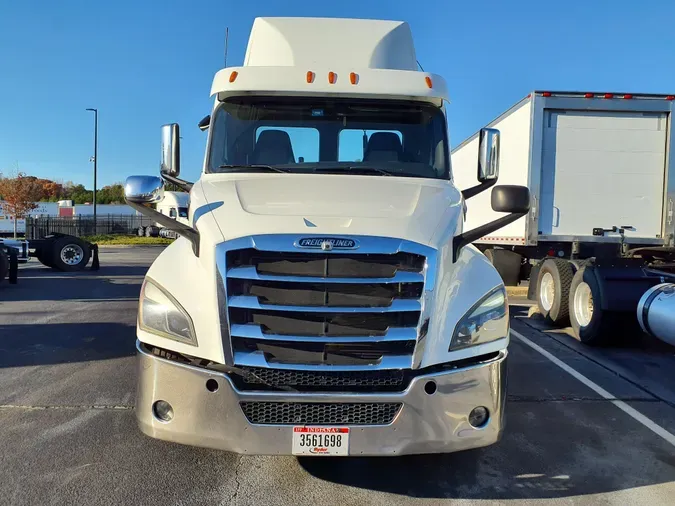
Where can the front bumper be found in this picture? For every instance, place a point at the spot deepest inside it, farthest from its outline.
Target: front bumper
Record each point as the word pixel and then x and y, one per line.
pixel 435 423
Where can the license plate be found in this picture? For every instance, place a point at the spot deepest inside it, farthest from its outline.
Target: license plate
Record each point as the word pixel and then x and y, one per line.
pixel 320 441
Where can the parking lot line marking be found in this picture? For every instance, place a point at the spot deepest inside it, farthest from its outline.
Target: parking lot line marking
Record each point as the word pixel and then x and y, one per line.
pixel 630 411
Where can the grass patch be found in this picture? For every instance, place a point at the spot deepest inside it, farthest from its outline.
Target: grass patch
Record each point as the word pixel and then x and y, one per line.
pixel 126 240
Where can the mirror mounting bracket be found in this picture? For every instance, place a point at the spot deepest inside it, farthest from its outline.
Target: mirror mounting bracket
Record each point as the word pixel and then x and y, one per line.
pixel 470 236
pixel 181 183
pixel 479 188
pixel 186 231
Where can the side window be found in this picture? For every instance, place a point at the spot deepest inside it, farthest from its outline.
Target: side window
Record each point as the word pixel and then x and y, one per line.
pixel 172 212
pixel 304 141
pixel 352 143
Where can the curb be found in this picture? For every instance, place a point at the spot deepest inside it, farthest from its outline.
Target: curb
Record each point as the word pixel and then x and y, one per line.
pixel 132 245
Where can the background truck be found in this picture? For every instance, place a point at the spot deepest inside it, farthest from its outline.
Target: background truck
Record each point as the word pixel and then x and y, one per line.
pixel 601 230
pixel 175 206
pixel 58 251
pixel 324 297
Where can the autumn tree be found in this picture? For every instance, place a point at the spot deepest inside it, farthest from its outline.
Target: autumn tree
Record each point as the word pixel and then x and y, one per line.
pixel 19 195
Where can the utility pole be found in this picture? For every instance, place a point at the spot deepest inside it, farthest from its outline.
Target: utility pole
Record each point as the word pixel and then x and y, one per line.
pixel 95 159
pixel 227 36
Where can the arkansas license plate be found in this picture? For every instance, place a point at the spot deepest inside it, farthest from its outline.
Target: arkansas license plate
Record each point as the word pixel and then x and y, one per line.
pixel 320 441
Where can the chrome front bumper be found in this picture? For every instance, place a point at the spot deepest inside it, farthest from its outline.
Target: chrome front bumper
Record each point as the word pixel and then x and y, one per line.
pixel 435 423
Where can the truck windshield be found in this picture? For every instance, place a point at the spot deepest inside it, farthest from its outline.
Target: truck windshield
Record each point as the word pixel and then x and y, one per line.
pixel 329 135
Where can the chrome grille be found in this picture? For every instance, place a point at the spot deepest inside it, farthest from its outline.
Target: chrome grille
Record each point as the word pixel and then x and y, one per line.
pixel 378 380
pixel 320 413
pixel 323 309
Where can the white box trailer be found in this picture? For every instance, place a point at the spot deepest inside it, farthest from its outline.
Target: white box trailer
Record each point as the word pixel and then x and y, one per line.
pixel 589 163
pixel 601 173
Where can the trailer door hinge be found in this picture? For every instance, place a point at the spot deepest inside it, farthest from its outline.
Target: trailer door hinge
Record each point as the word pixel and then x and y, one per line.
pixel 670 211
pixel 533 209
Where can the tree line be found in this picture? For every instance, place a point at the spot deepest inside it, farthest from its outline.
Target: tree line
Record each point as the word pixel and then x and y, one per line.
pixel 46 190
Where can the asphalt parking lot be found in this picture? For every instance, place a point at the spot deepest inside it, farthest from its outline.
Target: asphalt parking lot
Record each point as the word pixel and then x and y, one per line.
pixel 68 432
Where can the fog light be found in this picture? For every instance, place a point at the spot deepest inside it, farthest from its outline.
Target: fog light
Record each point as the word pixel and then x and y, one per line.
pixel 162 411
pixel 478 416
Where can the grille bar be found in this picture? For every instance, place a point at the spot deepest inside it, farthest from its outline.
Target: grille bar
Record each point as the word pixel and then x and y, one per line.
pixel 251 273
pixel 397 305
pixel 256 332
pixel 320 413
pixel 257 359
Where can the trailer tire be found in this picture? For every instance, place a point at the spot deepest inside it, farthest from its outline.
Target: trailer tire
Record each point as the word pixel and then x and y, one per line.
pixel 553 288
pixel 578 264
pixel 507 263
pixel 151 231
pixel 591 324
pixel 69 254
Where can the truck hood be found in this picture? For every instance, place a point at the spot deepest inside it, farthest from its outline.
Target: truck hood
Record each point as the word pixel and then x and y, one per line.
pixel 251 204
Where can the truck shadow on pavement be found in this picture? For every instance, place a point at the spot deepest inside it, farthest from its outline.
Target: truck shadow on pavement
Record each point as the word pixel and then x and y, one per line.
pixel 59 343
pixel 109 283
pixel 531 462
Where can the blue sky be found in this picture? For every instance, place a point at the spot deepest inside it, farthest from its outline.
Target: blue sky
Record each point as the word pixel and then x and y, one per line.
pixel 146 63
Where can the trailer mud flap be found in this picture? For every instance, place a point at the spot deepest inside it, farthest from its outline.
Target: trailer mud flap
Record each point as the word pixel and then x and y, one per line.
pixel 13 266
pixel 95 263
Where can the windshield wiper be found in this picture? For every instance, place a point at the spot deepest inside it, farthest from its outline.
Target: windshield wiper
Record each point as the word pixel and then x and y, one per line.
pixel 356 168
pixel 254 167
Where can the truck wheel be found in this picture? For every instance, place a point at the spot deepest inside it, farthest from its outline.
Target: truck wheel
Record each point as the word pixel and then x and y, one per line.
pixel 553 288
pixel 70 254
pixel 141 231
pixel 151 231
pixel 507 263
pixel 591 324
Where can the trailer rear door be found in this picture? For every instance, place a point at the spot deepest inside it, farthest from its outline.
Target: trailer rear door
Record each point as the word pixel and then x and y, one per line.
pixel 601 169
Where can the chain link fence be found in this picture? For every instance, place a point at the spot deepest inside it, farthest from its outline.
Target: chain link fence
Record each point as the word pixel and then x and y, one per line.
pixel 111 224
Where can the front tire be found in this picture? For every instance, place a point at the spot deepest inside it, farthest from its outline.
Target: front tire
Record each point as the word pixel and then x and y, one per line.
pixel 553 288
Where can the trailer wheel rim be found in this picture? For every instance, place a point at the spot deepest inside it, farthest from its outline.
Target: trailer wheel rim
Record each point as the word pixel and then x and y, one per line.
pixel 72 254
pixel 583 304
pixel 547 291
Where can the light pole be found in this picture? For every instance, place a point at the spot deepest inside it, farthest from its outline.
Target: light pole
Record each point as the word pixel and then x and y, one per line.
pixel 95 111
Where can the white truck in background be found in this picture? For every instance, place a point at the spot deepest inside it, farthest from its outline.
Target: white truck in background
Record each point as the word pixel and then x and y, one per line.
pixel 600 235
pixel 324 297
pixel 175 206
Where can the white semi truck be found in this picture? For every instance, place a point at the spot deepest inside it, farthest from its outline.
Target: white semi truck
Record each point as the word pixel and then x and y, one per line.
pixel 175 206
pixel 324 297
pixel 600 234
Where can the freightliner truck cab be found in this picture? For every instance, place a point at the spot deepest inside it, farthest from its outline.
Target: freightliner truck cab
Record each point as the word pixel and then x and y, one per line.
pixel 324 298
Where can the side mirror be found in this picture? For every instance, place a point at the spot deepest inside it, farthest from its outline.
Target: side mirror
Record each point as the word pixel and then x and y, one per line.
pixel 488 155
pixel 204 123
pixel 144 189
pixel 170 164
pixel 488 162
pixel 139 191
pixel 510 199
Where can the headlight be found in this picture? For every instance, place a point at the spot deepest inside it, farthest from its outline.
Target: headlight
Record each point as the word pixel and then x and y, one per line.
pixel 486 321
pixel 159 313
